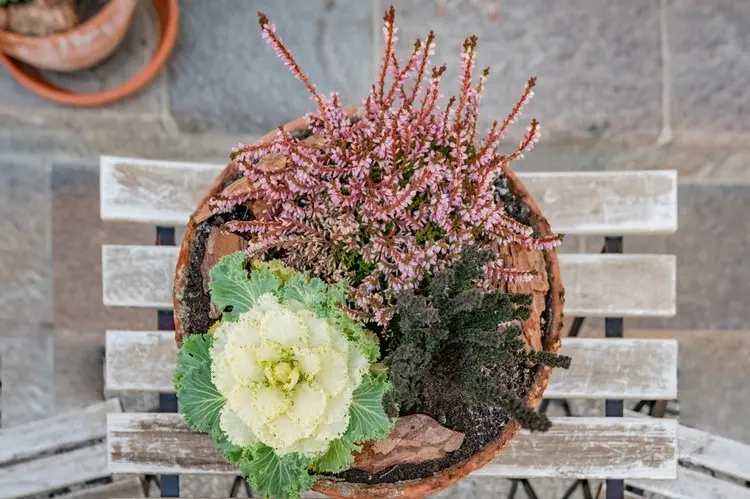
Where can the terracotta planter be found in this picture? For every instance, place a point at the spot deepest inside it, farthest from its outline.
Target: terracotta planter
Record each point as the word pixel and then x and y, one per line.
pixel 104 32
pixel 546 265
pixel 83 46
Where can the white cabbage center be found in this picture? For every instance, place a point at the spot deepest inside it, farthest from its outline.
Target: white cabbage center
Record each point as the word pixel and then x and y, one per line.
pixel 288 377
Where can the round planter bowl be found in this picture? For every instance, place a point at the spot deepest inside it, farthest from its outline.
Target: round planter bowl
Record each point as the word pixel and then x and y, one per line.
pixel 449 476
pixel 84 46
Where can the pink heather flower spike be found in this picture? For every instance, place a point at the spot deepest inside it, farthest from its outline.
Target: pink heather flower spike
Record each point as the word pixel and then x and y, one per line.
pixel 392 194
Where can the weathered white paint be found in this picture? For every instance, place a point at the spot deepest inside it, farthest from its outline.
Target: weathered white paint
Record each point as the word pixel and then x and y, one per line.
pixel 596 285
pixel 606 203
pixel 599 285
pixel 140 361
pixel 693 485
pixel 611 368
pixel 129 486
pixel 53 472
pixel 56 433
pixel 616 203
pixel 138 276
pixel 713 452
pixel 616 368
pixel 591 448
pixel 574 447
pixel 150 191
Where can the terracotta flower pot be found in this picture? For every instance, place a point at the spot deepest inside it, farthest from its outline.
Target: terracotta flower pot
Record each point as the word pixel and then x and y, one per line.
pixel 546 288
pixel 27 75
pixel 83 46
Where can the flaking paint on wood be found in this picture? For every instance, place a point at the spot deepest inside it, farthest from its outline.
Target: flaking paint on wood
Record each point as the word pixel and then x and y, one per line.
pixel 53 472
pixel 615 203
pixel 693 485
pixel 595 285
pixel 626 368
pixel 575 447
pixel 58 432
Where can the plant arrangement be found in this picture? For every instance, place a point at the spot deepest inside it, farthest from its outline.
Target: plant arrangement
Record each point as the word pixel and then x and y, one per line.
pixel 347 301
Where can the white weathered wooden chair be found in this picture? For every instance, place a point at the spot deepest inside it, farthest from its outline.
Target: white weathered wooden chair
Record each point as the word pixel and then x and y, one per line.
pixel 64 455
pixel 642 452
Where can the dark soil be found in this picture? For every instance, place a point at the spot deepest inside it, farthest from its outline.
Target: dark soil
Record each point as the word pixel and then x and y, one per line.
pixel 481 424
pixel 88 8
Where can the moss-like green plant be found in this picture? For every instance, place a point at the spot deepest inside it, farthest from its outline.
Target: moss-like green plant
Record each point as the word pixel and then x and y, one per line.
pixel 456 337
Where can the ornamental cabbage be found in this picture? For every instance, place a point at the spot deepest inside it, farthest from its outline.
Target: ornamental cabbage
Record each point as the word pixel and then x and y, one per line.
pixel 288 376
pixel 283 382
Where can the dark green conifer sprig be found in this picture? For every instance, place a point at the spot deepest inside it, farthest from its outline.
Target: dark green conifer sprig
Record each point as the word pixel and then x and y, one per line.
pixel 450 331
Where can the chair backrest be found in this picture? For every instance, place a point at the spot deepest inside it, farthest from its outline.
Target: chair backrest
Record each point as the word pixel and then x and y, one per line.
pixel 55 453
pixel 597 285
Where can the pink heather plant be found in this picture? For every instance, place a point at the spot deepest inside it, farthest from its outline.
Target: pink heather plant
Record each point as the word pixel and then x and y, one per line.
pixel 391 194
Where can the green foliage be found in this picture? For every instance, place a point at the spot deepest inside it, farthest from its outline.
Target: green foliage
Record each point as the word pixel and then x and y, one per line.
pixel 355 263
pixel 6 3
pixel 276 476
pixel 236 290
pixel 339 457
pixel 450 331
pixel 200 401
pixel 367 418
pixel 231 289
pixel 429 234
pixel 309 292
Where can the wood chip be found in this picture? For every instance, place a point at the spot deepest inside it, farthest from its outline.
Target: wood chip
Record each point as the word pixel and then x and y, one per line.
pixel 271 162
pixel 219 244
pixel 415 439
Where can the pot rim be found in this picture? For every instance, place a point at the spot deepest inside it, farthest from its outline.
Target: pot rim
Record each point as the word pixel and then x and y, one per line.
pixel 451 475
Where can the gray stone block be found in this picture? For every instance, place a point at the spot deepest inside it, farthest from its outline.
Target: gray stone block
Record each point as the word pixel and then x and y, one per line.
pixel 25 243
pixel 713 267
pixel 79 379
pixel 28 390
pixel 597 63
pixel 224 77
pixel 77 236
pixel 710 50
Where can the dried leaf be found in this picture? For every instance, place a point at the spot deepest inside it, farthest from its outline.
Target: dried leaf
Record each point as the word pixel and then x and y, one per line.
pixel 415 439
pixel 271 162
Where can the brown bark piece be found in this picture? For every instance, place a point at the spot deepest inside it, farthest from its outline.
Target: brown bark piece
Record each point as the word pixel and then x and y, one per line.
pixel 42 17
pixel 204 212
pixel 219 244
pixel 524 259
pixel 271 162
pixel 415 439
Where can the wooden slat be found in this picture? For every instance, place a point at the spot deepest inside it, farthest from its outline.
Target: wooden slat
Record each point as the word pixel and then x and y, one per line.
pixel 150 191
pixel 713 452
pixel 596 285
pixel 130 486
pixel 632 202
pixel 599 285
pixel 58 432
pixel 138 276
pixel 692 485
pixel 140 361
pixel 616 369
pixel 53 472
pixel 611 368
pixel 574 447
pixel 606 203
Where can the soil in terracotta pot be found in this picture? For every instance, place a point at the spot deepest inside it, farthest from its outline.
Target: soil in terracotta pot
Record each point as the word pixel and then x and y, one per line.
pixel 480 424
pixel 89 8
